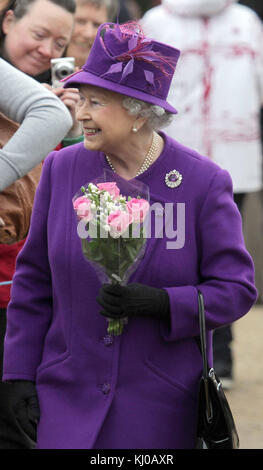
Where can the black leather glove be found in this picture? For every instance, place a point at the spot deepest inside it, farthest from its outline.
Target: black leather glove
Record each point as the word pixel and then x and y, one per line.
pixel 24 402
pixel 133 300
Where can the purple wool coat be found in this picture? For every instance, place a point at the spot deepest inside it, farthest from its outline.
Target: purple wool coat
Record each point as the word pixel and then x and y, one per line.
pixel 139 390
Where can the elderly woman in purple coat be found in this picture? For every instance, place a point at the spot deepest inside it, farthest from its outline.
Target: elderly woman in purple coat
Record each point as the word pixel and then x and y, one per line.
pixel 84 388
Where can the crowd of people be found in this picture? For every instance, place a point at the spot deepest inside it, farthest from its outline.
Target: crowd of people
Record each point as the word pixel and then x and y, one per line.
pixel 65 381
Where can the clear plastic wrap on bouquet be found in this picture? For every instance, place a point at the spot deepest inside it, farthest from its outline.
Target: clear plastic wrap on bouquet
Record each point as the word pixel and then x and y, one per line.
pixel 112 217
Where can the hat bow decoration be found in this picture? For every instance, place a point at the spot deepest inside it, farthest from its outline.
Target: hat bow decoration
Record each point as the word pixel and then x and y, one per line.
pixel 139 48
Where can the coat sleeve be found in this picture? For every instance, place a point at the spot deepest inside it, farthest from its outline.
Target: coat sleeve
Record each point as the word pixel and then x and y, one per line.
pixel 30 309
pixel 44 120
pixel 226 268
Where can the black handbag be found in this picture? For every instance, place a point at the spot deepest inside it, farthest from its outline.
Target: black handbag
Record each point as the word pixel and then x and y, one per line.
pixel 215 427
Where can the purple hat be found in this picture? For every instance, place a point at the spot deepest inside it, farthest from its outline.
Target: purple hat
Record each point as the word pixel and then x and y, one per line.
pixel 123 60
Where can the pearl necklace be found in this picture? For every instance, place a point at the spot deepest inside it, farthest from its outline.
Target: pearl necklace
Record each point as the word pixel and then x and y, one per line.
pixel 148 159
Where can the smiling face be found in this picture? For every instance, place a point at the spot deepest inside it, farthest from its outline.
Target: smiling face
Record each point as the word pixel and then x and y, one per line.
pixel 106 124
pixel 39 36
pixel 88 18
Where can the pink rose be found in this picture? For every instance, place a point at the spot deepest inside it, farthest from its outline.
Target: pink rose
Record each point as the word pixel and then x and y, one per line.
pixel 82 207
pixel 78 201
pixel 112 188
pixel 138 209
pixel 118 222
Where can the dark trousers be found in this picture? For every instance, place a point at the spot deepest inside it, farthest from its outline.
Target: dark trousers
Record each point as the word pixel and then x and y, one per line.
pixel 11 437
pixel 223 337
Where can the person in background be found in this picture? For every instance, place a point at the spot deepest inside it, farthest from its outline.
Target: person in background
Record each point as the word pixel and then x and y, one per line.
pixel 218 88
pixel 88 17
pixel 85 388
pixel 31 33
pixel 30 39
pixel 257 6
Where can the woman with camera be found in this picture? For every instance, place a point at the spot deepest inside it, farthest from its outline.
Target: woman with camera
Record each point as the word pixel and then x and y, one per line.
pixel 137 390
pixel 32 33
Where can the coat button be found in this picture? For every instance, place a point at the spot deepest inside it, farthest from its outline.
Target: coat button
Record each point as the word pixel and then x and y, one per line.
pixel 107 340
pixel 105 388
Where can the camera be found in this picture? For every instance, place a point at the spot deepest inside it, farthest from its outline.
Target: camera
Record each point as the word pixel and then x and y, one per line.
pixel 61 68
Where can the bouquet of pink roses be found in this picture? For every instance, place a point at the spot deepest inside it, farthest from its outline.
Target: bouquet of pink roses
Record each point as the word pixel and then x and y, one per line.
pixel 111 227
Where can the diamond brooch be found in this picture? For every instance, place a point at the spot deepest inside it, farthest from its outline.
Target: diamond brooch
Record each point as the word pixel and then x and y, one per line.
pixel 173 179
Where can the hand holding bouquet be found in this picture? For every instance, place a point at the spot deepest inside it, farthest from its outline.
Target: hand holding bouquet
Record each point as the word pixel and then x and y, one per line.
pixel 112 230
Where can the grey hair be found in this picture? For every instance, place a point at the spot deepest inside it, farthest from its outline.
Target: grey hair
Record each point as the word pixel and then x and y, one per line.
pixel 111 6
pixel 157 116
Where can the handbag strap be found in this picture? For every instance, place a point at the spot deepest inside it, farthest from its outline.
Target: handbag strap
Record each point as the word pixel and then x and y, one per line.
pixel 202 341
pixel 202 346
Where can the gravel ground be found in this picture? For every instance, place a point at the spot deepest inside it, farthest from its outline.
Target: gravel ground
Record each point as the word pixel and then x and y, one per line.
pixel 246 396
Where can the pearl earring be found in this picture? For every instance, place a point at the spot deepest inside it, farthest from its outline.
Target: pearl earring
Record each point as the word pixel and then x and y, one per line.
pixel 134 129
